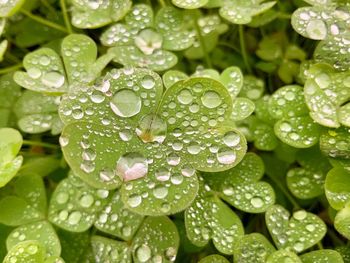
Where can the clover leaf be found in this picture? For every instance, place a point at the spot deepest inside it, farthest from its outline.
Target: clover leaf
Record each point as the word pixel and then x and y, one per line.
pixel 94 14
pixel 253 247
pixel 9 93
pixel 8 8
pixel 156 240
pixel 210 218
pixel 48 73
pixel 241 186
pixel 322 256
pixel 145 143
pixel 146 41
pixel 283 254
pixel 298 233
pixel 241 11
pixel 214 259
pixel 10 144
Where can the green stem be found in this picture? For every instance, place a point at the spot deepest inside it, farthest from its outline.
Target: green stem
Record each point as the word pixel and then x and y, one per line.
pixel 49 7
pixel 319 245
pixel 44 21
pixel 10 69
pixel 203 46
pixel 243 48
pixel 42 144
pixel 228 45
pixel 65 16
pixel 285 192
pixel 162 3
pixel 335 239
pixel 12 58
pixel 284 16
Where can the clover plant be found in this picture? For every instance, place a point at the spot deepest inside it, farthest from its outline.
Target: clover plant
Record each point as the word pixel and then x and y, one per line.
pixel 157 131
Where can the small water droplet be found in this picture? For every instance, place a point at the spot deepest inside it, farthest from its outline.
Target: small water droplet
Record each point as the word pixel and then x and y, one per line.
pixel 86 201
pixel 162 174
pixel 160 192
pixel 148 82
pixel 170 254
pixel 62 198
pixel 316 29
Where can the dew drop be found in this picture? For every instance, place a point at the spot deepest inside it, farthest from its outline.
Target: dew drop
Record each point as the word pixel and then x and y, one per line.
pixel 226 156
pixel 134 200
pixel 300 215
pixel 257 202
pixel 62 198
pixel 316 29
pixel 86 201
pixel 53 79
pixel 125 103
pixel 151 128
pixel 143 253
pixel 162 174
pixel 132 166
pixel 160 192
pixel 74 218
pixel 170 254
pixel 34 73
pixel 231 139
pixel 211 99
pixel 148 82
pixel 125 135
pixel 185 96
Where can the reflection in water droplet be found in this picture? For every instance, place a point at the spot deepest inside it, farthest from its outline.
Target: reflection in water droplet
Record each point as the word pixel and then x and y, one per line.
pixel 185 96
pixel 125 135
pixel 125 103
pixel 132 166
pixel 162 174
pixel 226 156
pixel 148 82
pixel 134 200
pixel 232 139
pixel 53 79
pixel 173 159
pixel 143 253
pixel 257 202
pixel 211 99
pixel 152 128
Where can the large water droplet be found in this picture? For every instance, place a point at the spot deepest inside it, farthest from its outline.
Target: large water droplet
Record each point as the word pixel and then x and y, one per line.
pixel 74 218
pixel 62 198
pixel 226 156
pixel 134 200
pixel 162 174
pixel 125 103
pixel 316 29
pixel 185 96
pixel 148 41
pixel 148 82
pixel 232 139
pixel 86 200
pixel 53 79
pixel 170 254
pixel 257 202
pixel 132 166
pixel 152 128
pixel 211 99
pixel 160 192
pixel 143 253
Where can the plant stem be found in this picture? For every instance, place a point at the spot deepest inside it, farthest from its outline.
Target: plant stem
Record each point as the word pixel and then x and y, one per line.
pixel 42 144
pixel 49 7
pixel 319 245
pixel 44 21
pixel 162 3
pixel 243 48
pixel 203 46
pixel 10 69
pixel 285 192
pixel 65 16
pixel 228 45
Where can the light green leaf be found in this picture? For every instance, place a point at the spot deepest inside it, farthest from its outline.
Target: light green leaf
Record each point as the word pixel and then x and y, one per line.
pixel 108 250
pixel 30 251
pixel 192 4
pixel 9 170
pixel 74 245
pixel 41 231
pixel 9 8
pixel 253 87
pixel 299 132
pixel 232 78
pixel 298 233
pixel 45 72
pixel 26 203
pixel 3 48
pixel 322 256
pixel 139 17
pixel 117 220
pixel 337 187
pixel 214 259
pixel 283 255
pixel 10 144
pixel 242 108
pixel 74 205
pixel 253 248
pixel 263 135
pixel 335 143
pixel 172 76
pixel 209 218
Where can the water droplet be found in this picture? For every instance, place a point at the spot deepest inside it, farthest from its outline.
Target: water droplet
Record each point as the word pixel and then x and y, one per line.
pixel 63 141
pixel 125 135
pixel 44 60
pixel 152 128
pixel 53 79
pixel 132 166
pixel 143 253
pixel 170 254
pixel 162 174
pixel 148 82
pixel 298 246
pixel 125 103
pixel 257 202
pixel 34 73
pixel 300 215
pixel 134 200
pixel 310 227
pixel 211 99
pixel 160 192
pixel 185 96
pixel 32 249
pixel 232 139
pixel 226 156
pixel 74 218
pixel 173 159
pixel 194 148
pixel 285 127
pixel 97 97
pixel 62 198
pixel 187 170
pixel 316 29
pixel 148 41
pixel 86 200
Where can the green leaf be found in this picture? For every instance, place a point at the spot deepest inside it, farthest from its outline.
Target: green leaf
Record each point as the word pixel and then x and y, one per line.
pixel 30 251
pixel 322 256
pixel 139 17
pixel 9 8
pixel 108 250
pixel 26 202
pixel 172 76
pixel 232 78
pixel 283 255
pixel 213 259
pixel 253 248
pixel 298 233
pixel 335 143
pixel 253 87
pixel 240 186
pixel 337 187
pixel 242 108
pixel 192 4
pixel 263 135
pixel 269 49
pixel 299 132
pixel 287 102
pixel 117 220
pixel 87 14
pixel 157 238
pixel 241 12
pixel 41 231
pixel 209 218
pixel 74 205
pixel 45 72
pixel 74 245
